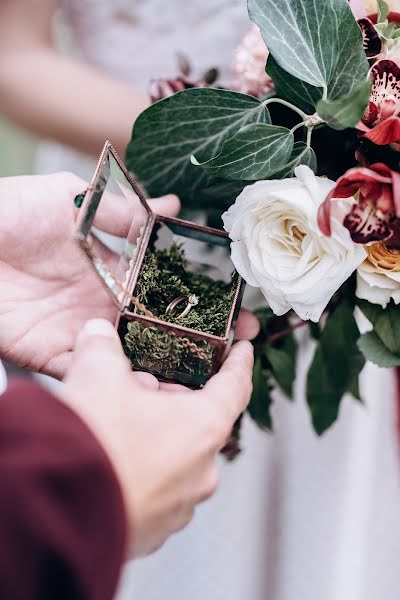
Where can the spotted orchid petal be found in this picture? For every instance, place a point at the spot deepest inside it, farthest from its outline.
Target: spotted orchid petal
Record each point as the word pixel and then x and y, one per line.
pixel 371 39
pixel 378 206
pixel 385 94
pixel 366 223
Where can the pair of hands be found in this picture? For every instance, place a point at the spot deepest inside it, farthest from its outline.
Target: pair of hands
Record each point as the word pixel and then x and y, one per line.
pixel 162 440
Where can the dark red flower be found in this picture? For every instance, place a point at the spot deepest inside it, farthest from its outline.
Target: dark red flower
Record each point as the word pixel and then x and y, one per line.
pixel 371 39
pixel 374 216
pixel 162 88
pixel 381 114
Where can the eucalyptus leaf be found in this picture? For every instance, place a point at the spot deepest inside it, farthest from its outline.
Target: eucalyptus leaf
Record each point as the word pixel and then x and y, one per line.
pixel 375 351
pixel 301 155
pixel 383 11
pixel 195 121
pixel 336 364
pixel 345 112
pixel 257 151
pixel 260 403
pixel 317 42
pixel 290 88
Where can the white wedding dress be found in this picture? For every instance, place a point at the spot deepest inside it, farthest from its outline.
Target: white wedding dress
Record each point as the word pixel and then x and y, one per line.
pixel 296 517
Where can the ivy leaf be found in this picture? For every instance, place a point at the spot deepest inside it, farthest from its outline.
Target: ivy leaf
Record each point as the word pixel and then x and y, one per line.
pixel 320 43
pixel 345 112
pixel 257 151
pixel 337 362
pixel 375 351
pixel 260 403
pixel 195 121
pixel 283 368
pixel 301 155
pixel 301 94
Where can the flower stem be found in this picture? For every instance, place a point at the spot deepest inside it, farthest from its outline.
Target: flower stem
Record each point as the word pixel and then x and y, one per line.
pixel 309 135
pixel 302 114
pixel 296 127
pixel 280 334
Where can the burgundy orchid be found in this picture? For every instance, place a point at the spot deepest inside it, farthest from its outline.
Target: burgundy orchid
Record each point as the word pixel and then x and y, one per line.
pixel 375 215
pixel 371 39
pixel 380 120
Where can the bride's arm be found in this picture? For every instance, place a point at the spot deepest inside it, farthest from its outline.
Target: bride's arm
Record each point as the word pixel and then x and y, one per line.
pixel 55 96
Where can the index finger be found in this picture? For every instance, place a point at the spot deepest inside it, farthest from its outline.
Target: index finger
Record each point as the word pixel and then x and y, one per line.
pixel 231 387
pixel 117 213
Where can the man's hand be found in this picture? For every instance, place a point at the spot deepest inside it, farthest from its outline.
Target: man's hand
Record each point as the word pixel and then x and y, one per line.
pixel 162 441
pixel 47 289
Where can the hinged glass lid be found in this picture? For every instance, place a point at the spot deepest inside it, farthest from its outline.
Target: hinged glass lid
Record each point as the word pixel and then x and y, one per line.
pixel 111 223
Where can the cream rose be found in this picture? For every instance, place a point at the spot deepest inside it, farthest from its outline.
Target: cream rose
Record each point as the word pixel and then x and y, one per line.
pixel 278 247
pixel 378 277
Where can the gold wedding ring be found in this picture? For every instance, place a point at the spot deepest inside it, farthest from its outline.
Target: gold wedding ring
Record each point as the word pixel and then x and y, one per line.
pixel 191 300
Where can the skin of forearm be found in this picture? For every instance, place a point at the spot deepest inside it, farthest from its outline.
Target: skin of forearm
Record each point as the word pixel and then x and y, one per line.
pixel 62 99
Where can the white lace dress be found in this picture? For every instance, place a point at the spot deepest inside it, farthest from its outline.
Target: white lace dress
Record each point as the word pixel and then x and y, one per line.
pixel 295 517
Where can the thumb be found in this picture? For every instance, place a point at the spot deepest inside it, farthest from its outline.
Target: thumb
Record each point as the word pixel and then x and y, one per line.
pixel 98 347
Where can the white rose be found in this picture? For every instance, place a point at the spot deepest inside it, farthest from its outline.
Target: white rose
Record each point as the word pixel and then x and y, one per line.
pixel 278 246
pixel 378 277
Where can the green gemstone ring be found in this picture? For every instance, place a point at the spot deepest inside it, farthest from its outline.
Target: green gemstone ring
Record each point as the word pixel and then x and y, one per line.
pixel 78 200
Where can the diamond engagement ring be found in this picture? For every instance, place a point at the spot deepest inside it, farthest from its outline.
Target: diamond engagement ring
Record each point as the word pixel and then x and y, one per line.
pixel 191 300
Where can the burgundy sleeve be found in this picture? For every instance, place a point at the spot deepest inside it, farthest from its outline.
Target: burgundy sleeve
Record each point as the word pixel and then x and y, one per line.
pixel 62 519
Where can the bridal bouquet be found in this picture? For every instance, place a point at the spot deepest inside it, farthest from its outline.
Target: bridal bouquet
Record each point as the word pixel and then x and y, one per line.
pixel 301 159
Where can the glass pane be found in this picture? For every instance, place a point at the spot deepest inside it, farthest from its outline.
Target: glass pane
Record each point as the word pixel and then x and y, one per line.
pixel 183 263
pixel 112 224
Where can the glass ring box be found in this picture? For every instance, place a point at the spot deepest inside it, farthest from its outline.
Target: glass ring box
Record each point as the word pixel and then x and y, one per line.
pixel 173 283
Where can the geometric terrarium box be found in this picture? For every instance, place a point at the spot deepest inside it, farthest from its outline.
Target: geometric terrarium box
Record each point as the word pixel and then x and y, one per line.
pixel 173 282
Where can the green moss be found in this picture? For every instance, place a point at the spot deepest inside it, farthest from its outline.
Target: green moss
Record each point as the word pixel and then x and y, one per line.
pixel 165 276
pixel 162 354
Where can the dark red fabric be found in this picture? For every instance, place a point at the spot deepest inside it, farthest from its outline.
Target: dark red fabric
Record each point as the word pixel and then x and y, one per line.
pixel 62 519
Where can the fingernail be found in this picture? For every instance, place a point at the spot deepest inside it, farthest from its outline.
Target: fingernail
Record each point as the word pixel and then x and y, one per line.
pixel 99 327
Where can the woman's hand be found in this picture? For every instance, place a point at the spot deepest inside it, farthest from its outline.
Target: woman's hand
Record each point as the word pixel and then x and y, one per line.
pixel 161 440
pixel 47 289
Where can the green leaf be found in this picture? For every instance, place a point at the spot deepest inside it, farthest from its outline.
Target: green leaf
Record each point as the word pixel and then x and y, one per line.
pixel 256 152
pixel 337 362
pixel 260 403
pixel 301 94
pixel 375 351
pixel 386 323
pixel 317 42
pixel 371 311
pixel 354 389
pixel 383 11
pixel 345 112
pixel 283 368
pixel 301 155
pixel 194 121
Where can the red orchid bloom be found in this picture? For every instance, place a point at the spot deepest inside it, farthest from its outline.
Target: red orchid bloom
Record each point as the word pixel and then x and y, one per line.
pixel 375 215
pixel 371 39
pixel 381 121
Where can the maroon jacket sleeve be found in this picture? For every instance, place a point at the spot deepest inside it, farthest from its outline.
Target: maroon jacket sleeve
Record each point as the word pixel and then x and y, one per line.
pixel 62 519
